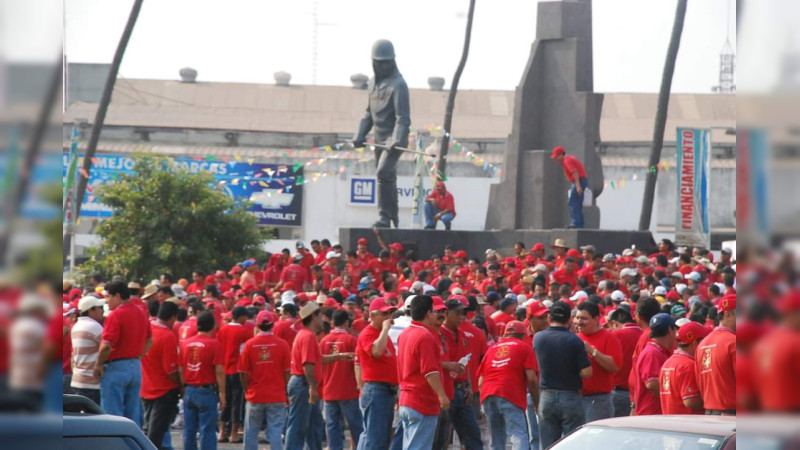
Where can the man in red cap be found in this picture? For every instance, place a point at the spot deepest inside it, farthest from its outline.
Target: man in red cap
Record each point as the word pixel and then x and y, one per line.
pixel 439 205
pixel 376 372
pixel 362 253
pixel 341 399
pixel 506 373
pixel 232 336
pixel 716 362
pixel 576 174
pixel 264 372
pixel 777 359
pixel 678 379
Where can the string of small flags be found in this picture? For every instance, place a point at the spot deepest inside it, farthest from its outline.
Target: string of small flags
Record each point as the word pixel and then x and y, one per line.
pixel 622 183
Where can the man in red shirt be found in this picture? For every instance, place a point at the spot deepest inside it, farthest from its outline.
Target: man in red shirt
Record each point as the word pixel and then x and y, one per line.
pixel 439 205
pixel 776 359
pixel 160 379
pixel 189 326
pixel 305 418
pixel 567 274
pixel 202 361
pixel 505 313
pixel 419 369
pixel 126 338
pixel 575 174
pixel 628 333
pixel 264 372
pixel 648 365
pixel 376 374
pixel 716 362
pixel 232 336
pixel 506 372
pixel 198 282
pixel 285 327
pixel 646 308
pixel 297 275
pixel 605 354
pixel 341 399
pixel 678 378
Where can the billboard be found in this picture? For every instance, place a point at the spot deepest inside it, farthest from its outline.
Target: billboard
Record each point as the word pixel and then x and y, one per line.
pixel 693 169
pixel 275 198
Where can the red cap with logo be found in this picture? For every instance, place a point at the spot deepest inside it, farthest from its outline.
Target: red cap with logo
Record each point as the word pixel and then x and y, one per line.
pixel 727 303
pixel 460 298
pixel 515 326
pixel 537 309
pixel 537 247
pixel 381 304
pixel 558 151
pixel 362 241
pixel 331 302
pixel 266 316
pixel 691 332
pixel 461 254
pixel 438 304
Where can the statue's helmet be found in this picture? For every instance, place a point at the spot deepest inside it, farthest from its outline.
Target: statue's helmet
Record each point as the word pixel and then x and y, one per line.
pixel 382 50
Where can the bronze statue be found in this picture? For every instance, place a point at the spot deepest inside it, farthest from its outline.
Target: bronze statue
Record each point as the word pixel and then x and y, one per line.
pixel 388 112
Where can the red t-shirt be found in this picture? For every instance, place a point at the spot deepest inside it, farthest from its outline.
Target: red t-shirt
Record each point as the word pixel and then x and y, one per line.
pixel 285 330
pixel 503 371
pixel 306 350
pixel 627 336
pixel 573 164
pixel 443 202
pixel 195 288
pixel 633 383
pixel 139 303
pixel 678 382
pixel 297 274
pixel 266 358
pixel 126 329
pixel 648 368
pixel 476 347
pixel 66 350
pixel 420 355
pixel 561 277
pixel 453 348
pixel 377 267
pixel 776 363
pixel 716 373
pixel 355 270
pixel 188 329
pixel 200 354
pixel 601 381
pixel 233 336
pixel 359 324
pixel 340 374
pixel 500 320
pixel 159 362
pixel 382 369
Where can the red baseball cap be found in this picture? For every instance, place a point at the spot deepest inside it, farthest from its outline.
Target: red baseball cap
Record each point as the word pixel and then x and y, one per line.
pixel 244 302
pixel 460 298
pixel 461 254
pixel 727 303
pixel 673 295
pixel 301 297
pixel 239 292
pixel 530 260
pixel 790 302
pixel 381 304
pixel 438 304
pixel 331 303
pixel 691 332
pixel 396 245
pixel 362 241
pixel 220 274
pixel 259 299
pixel 266 316
pixel 574 253
pixel 228 294
pixel 211 279
pixel 537 309
pixel 515 326
pixel 558 151
pixel 235 270
pixel 537 247
pixel 463 272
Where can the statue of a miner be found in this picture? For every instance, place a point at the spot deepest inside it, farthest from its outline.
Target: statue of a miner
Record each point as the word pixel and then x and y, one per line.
pixel 388 112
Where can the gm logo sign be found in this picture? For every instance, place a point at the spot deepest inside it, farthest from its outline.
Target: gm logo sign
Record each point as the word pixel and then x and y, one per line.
pixel 362 191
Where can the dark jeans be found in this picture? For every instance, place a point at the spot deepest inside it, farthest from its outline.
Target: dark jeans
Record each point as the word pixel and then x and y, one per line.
pixel 336 413
pixel 377 408
pixel 234 405
pixel 160 412
pixel 462 418
pixel 67 389
pixel 305 425
pixel 91 394
pixel 199 413
pixel 622 402
pixel 560 412
pixel 575 204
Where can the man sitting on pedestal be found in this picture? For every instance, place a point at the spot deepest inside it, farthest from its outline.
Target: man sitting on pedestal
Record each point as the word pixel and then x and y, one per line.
pixel 439 205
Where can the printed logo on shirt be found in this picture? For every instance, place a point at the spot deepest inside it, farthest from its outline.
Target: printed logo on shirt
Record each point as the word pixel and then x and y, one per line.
pixel 334 348
pixel 194 358
pixel 706 361
pixel 263 353
pixel 502 352
pixel 666 381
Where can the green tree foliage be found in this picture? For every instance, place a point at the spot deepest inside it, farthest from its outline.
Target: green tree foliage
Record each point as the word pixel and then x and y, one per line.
pixel 170 220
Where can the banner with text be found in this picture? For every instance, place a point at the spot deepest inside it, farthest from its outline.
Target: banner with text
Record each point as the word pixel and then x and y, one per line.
pixel 693 157
pixel 274 191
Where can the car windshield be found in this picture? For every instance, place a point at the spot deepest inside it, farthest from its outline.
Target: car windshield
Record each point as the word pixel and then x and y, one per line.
pixel 636 439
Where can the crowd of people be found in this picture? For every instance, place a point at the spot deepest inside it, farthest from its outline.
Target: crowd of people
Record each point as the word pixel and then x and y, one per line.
pixel 406 352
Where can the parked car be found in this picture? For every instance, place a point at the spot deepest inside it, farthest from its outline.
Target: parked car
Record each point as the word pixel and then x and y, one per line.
pixel 654 433
pixel 87 427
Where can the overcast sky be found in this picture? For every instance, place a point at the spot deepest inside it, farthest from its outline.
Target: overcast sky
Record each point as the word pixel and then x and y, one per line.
pixel 248 40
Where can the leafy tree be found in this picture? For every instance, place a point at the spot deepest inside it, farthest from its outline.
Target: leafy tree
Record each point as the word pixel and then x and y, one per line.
pixel 170 220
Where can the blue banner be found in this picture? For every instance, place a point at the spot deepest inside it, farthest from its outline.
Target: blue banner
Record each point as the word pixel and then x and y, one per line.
pixel 693 156
pixel 275 191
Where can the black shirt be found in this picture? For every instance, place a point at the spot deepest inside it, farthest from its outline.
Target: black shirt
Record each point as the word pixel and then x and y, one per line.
pixel 561 356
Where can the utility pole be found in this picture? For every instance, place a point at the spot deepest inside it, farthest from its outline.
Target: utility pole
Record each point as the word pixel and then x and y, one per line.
pixel 451 97
pixel 100 117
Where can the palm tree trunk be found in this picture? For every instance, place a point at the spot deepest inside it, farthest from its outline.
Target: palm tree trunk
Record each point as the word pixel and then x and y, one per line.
pixel 100 117
pixel 661 117
pixel 451 98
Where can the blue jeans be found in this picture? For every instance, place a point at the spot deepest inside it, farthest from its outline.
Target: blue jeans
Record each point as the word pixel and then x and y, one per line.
pixel 622 402
pixel 337 411
pixel 305 420
pixel 199 411
pixel 597 407
pixel 575 204
pixel 418 429
pixel 430 211
pixel 462 417
pixel 560 412
pixel 505 419
pixel 119 389
pixel 377 408
pixel 533 424
pixel 255 413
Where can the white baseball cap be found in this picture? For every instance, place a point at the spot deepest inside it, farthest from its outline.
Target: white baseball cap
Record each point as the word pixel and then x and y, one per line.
pixel 580 295
pixel 680 287
pixel 617 296
pixel 660 290
pixel 333 254
pixel 89 302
